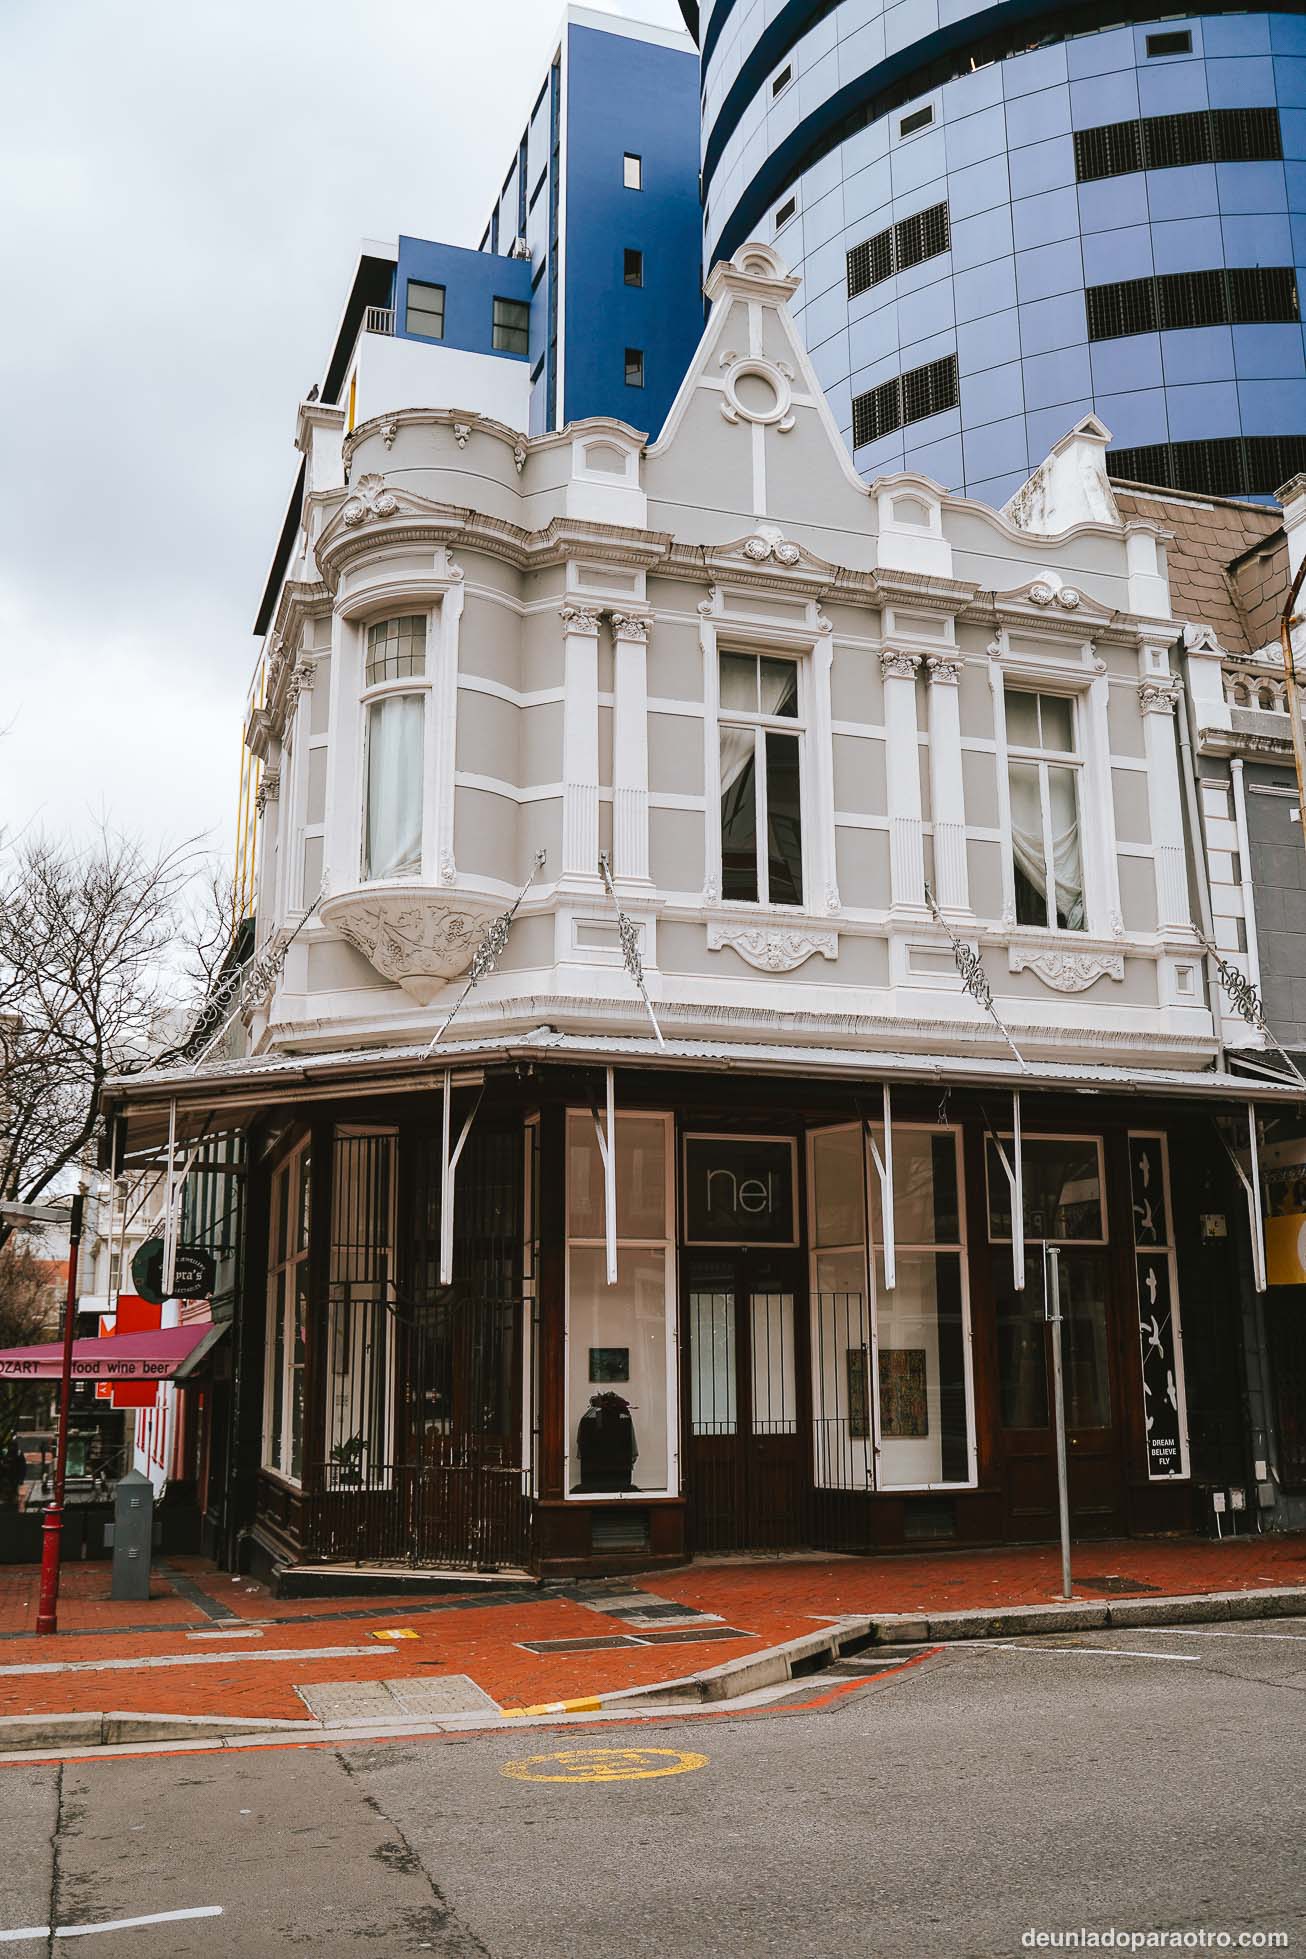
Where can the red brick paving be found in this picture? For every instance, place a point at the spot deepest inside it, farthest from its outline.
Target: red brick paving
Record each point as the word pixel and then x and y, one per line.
pixel 773 1599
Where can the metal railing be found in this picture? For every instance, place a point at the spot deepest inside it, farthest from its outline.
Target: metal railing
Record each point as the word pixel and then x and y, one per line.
pixel 459 1508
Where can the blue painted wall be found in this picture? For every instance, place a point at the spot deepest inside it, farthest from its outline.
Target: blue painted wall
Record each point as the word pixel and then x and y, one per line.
pixel 1008 299
pixel 627 95
pixel 472 281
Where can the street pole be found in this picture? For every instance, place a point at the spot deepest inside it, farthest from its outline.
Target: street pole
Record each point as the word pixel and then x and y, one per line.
pixel 47 1612
pixel 1053 1310
pixel 1286 623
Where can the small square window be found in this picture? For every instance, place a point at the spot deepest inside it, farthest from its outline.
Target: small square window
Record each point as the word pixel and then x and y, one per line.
pixel 512 326
pixel 425 312
pixel 918 119
pixel 782 81
pixel 634 367
pixel 784 212
pixel 1169 44
pixel 634 267
pixel 633 172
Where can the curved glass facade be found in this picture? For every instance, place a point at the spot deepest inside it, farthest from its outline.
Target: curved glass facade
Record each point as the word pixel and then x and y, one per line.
pixel 1005 218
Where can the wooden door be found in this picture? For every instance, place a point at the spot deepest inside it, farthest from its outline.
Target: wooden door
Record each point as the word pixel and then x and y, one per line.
pixel 1025 1395
pixel 746 1472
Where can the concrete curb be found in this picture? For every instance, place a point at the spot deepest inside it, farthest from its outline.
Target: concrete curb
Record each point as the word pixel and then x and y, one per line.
pixel 106 1730
pixel 809 1652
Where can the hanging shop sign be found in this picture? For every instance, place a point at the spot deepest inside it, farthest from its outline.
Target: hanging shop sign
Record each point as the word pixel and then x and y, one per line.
pixel 1160 1350
pixel 1283 1196
pixel 193 1274
pixel 739 1190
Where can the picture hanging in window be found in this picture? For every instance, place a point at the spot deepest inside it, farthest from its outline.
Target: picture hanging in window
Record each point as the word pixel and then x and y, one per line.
pixel 904 1410
pixel 609 1363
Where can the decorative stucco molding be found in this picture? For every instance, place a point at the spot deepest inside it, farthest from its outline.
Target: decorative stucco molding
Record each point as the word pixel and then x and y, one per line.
pixel 779 549
pixel 269 789
pixel 416 939
pixel 372 498
pixel 1066 596
pixel 1066 972
pixel 895 665
pixel 579 618
pixel 631 625
pixel 773 407
pixel 461 433
pixel 943 672
pixel 1201 639
pixel 771 949
pixel 389 430
pixel 1157 697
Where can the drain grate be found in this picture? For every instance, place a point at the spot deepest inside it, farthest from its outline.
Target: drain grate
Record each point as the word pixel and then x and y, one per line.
pixel 691 1635
pixel 597 1645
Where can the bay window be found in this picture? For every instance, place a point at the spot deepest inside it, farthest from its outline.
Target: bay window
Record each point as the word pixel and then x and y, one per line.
pixel 1043 775
pixel 761 743
pixel 620 1345
pixel 394 736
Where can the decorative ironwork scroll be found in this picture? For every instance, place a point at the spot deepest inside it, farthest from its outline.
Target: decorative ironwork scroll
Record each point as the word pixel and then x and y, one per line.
pixel 487 954
pixel 972 973
pixel 1246 1002
pixel 628 933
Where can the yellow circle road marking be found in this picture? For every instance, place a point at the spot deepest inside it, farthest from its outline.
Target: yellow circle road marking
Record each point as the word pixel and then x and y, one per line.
pixel 604 1765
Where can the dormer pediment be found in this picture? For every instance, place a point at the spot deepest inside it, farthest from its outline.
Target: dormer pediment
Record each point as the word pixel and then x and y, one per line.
pixel 767 556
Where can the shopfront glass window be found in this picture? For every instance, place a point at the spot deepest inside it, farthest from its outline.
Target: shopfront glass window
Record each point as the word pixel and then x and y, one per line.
pixel 619 1408
pixel 287 1322
pixel 890 1363
pixel 360 1440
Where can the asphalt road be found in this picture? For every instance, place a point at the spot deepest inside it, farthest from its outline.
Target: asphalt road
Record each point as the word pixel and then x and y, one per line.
pixel 1145 1781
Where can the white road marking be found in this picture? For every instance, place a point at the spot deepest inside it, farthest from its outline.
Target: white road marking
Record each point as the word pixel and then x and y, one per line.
pixel 1101 1652
pixel 28 1932
pixel 1212 1632
pixel 202 1659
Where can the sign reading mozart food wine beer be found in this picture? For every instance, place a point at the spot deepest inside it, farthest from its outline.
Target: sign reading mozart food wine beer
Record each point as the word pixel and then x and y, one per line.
pixel 739 1190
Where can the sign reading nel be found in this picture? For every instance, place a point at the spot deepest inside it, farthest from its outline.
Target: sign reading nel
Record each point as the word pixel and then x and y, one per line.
pixel 739 1190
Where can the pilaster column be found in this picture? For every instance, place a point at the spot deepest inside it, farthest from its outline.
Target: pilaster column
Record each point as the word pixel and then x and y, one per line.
pixel 1157 700
pixel 630 745
pixel 947 790
pixel 903 778
pixel 580 741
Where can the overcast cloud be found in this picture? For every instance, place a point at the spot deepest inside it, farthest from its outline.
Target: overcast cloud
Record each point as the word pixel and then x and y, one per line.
pixel 184 187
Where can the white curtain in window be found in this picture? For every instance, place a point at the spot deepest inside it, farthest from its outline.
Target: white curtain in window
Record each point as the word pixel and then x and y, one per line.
pixel 1027 839
pixel 777 691
pixel 394 787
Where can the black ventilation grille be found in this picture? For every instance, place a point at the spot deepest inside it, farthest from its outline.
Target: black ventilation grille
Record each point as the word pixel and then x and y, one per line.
pixel 1168 142
pixel 1242 296
pixel 909 242
pixel 907 398
pixel 1233 466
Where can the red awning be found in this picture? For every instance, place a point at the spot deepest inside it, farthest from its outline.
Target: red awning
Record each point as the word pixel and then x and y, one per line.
pixel 155 1356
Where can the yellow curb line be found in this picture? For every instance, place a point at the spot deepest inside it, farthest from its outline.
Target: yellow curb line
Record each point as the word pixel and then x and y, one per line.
pixel 591 1705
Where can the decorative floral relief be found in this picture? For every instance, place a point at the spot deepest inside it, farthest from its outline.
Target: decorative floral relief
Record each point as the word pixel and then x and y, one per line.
pixel 371 498
pixel 461 433
pixel 1066 972
pixel 780 549
pixel 415 940
pixel 389 430
pixel 1066 596
pixel 772 949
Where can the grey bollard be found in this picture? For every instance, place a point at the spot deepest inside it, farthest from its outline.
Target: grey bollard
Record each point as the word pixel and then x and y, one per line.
pixel 133 1535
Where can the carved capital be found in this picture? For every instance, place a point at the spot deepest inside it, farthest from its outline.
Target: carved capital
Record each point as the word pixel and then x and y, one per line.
pixel 269 789
pixel 579 618
pixel 942 671
pixel 631 625
pixel 895 665
pixel 1158 696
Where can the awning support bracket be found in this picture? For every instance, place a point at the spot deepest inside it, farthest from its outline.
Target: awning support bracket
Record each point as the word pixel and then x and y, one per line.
pixel 884 1171
pixel 1252 1190
pixel 1015 1175
pixel 605 1129
pixel 449 1171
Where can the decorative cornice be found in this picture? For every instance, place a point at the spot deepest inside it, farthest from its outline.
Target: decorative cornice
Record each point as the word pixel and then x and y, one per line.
pixel 772 949
pixel 896 665
pixel 1066 972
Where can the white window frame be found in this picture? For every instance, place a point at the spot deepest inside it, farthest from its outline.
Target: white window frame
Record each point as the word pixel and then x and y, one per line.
pixel 279 1389
pixel 1043 759
pixel 762 725
pixel 409 683
pixel 632 179
pixel 867 1248
pixel 666 1245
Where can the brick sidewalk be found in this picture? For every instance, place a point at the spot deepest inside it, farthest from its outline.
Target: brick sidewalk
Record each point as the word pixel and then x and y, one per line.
pixel 768 1600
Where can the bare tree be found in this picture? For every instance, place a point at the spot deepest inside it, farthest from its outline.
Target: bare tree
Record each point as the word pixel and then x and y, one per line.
pixel 98 950
pixel 27 1301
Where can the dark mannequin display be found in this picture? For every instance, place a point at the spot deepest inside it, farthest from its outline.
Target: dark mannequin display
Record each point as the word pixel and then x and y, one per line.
pixel 605 1443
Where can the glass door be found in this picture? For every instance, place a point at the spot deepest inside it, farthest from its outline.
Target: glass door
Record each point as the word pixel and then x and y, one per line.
pixel 745 1469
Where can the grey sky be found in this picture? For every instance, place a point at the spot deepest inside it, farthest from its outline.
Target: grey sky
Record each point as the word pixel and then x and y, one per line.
pixel 182 192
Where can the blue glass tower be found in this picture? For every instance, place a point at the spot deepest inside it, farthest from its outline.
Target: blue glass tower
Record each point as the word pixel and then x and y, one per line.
pixel 1007 216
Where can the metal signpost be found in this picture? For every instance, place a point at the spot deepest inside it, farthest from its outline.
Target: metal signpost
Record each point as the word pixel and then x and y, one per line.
pixel 47 1611
pixel 1052 1308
